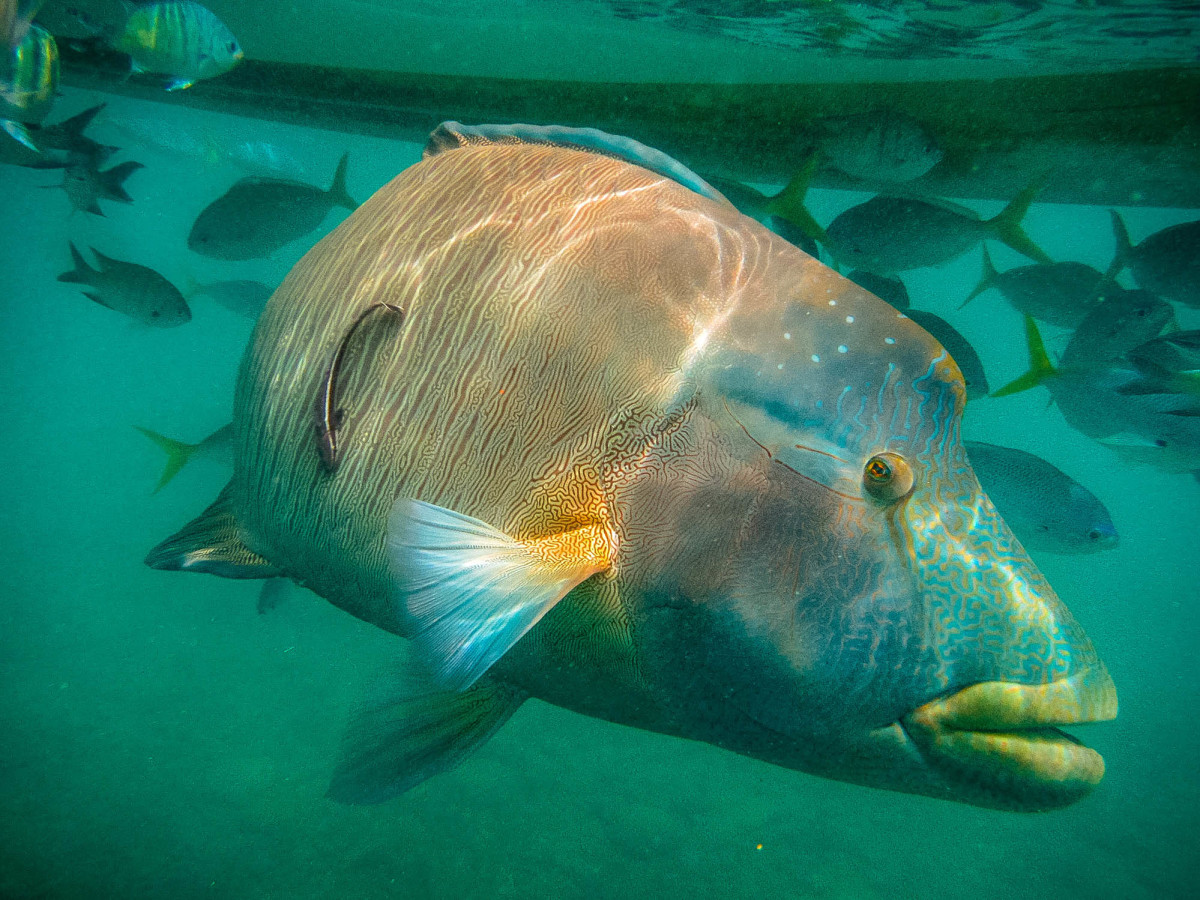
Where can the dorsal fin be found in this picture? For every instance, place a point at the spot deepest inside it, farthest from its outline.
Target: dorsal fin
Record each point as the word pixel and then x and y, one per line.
pixel 452 135
pixel 210 543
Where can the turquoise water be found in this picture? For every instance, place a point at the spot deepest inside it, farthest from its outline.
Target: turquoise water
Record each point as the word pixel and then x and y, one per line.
pixel 159 737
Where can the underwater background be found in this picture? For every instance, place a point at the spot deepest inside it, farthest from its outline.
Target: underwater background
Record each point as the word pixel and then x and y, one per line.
pixel 161 737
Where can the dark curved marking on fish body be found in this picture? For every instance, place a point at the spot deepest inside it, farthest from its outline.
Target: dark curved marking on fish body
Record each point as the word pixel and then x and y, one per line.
pixel 329 417
pixel 450 135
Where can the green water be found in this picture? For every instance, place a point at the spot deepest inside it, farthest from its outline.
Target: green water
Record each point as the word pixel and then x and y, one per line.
pixel 159 737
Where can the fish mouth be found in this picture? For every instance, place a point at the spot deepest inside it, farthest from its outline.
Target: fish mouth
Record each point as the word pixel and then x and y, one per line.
pixel 999 743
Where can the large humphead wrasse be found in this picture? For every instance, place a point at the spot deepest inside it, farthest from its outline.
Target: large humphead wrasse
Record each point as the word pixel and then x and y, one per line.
pixel 585 433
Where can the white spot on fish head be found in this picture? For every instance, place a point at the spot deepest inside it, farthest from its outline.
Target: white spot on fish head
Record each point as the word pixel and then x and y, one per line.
pixel 849 320
pixel 816 358
pixel 889 340
pixel 842 348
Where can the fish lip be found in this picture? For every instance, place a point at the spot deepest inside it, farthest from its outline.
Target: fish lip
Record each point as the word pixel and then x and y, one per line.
pixel 1007 735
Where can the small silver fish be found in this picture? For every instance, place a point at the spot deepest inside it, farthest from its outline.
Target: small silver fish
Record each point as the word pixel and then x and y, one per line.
pixel 130 289
pixel 1046 508
pixel 882 145
pixel 257 216
pixel 1121 321
pixel 178 38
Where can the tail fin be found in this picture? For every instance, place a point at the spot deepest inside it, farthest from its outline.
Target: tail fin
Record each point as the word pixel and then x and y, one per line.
pixel 1123 247
pixel 1040 366
pixel 789 203
pixel 338 194
pixel 74 127
pixel 987 280
pixel 178 454
pixel 82 273
pixel 112 181
pixel 1007 225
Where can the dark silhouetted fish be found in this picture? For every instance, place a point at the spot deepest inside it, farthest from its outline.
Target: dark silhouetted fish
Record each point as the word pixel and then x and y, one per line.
pixel 890 290
pixel 886 235
pixel 1046 508
pixel 257 216
pixel 86 185
pixel 1166 263
pixel 1061 293
pixel 635 454
pixel 959 347
pixel 59 145
pixel 218 447
pixel 130 289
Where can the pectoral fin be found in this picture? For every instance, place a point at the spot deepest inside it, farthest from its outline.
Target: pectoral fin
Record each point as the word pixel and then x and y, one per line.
pixel 211 543
pixel 411 730
pixel 471 591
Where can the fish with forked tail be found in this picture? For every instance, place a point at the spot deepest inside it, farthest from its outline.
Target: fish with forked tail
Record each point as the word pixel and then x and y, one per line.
pixel 130 289
pixel 886 234
pixel 258 216
pixel 651 463
pixel 85 184
pixel 1166 263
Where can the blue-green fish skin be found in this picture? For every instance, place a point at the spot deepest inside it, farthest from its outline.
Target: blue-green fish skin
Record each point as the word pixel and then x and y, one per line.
pixel 1047 510
pixel 180 39
pixel 890 290
pixel 129 288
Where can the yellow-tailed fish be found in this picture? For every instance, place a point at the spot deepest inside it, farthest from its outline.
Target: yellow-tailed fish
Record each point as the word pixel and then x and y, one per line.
pixel 179 39
pixel 629 452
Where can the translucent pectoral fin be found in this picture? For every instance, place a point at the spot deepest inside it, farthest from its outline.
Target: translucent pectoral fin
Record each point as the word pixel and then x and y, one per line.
pixel 471 591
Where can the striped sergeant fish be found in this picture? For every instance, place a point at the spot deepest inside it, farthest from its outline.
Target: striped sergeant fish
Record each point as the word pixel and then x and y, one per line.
pixel 629 452
pixel 180 39
pixel 28 82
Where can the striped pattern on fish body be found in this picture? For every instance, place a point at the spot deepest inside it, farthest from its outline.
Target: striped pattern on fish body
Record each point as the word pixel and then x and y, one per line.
pixel 629 452
pixel 542 349
pixel 29 78
pixel 178 38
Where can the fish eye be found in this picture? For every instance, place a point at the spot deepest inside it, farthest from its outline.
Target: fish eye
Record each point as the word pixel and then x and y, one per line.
pixel 1095 534
pixel 887 477
pixel 232 47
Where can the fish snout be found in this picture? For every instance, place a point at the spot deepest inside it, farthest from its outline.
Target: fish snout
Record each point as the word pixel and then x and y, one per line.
pixel 999 744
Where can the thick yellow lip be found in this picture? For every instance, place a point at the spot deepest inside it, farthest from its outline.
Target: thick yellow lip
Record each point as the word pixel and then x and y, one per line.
pixel 1003 737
